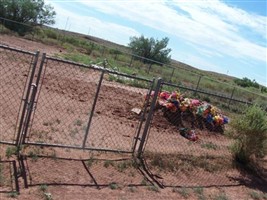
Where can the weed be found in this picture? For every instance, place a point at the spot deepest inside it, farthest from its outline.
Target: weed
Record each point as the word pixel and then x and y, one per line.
pixel 122 166
pixel 153 188
pixel 90 162
pixel 250 134
pixel 132 174
pixel 43 188
pixel 144 182
pixel 184 192
pixel 254 195
pixel 209 145
pixel 13 194
pixel 186 163
pixel 33 155
pixel 48 196
pixel 198 190
pixel 113 186
pixel 108 163
pixel 201 197
pixel 73 132
pixel 132 189
pixel 47 123
pixel 220 197
pixel 78 122
pixel 10 151
pixel 264 196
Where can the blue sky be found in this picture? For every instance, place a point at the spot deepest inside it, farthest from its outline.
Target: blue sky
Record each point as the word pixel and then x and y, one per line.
pixel 228 37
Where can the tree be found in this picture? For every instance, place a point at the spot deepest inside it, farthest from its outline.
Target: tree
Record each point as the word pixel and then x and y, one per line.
pixel 246 82
pixel 150 48
pixel 31 12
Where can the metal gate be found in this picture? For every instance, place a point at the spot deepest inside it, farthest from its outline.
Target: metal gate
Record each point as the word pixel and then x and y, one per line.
pixel 84 107
pixel 17 68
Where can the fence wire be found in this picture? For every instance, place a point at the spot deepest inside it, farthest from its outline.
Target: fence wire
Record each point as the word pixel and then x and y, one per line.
pixel 187 145
pixel 86 107
pixel 8 179
pixel 16 67
pixel 91 107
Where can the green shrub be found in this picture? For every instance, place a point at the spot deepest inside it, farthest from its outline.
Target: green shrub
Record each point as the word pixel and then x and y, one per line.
pixel 250 134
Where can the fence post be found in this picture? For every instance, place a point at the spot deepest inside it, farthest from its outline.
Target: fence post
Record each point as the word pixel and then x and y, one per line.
pixel 149 68
pixel 199 79
pixel 231 98
pixel 22 117
pixel 143 115
pixel 130 65
pixel 172 74
pixel 149 118
pixel 93 107
pixel 103 51
pixel 32 99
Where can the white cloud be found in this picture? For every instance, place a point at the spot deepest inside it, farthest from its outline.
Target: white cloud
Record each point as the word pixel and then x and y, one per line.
pixel 212 28
pixel 93 26
pixel 208 24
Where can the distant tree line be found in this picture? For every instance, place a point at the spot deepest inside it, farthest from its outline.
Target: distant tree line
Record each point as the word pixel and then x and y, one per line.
pixel 31 12
pixel 246 82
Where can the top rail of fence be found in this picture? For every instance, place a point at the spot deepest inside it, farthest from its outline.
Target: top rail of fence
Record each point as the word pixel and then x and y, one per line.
pixel 17 50
pixel 98 67
pixel 206 92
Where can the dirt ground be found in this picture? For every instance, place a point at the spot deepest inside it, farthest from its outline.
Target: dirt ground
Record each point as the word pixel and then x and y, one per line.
pixel 86 175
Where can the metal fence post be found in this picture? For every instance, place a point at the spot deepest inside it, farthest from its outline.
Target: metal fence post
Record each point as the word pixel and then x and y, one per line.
pixel 199 79
pixel 93 108
pixel 149 68
pixel 22 117
pixel 149 118
pixel 231 98
pixel 32 100
pixel 103 51
pixel 172 75
pixel 143 116
pixel 130 65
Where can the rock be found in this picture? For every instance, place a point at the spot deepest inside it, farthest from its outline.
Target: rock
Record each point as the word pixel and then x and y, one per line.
pixel 136 111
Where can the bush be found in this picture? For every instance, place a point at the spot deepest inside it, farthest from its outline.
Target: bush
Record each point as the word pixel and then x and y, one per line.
pixel 246 82
pixel 250 134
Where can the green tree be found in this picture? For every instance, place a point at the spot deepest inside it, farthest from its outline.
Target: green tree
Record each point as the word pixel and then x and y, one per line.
pixel 246 82
pixel 150 48
pixel 31 12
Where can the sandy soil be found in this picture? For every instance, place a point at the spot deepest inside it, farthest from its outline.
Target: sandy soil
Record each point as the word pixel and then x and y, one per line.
pixel 61 117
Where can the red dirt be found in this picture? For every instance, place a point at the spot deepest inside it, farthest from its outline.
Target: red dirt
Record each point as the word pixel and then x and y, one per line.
pixel 113 126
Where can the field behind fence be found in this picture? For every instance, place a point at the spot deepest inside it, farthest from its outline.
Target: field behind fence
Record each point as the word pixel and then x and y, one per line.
pixel 57 103
pixel 49 104
pixel 93 50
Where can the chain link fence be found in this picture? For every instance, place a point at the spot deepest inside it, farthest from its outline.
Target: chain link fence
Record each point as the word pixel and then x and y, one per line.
pixel 8 177
pixel 59 103
pixel 86 107
pixel 186 145
pixel 16 69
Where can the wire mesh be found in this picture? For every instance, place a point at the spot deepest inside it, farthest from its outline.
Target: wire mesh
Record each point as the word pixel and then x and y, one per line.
pixel 187 145
pixel 64 101
pixel 15 69
pixel 86 107
pixel 93 172
pixel 118 111
pixel 7 177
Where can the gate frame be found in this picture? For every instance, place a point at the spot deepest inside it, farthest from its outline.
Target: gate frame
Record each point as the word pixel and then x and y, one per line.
pixel 33 103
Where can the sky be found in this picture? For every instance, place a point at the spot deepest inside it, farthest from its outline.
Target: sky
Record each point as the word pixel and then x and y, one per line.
pixel 222 36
